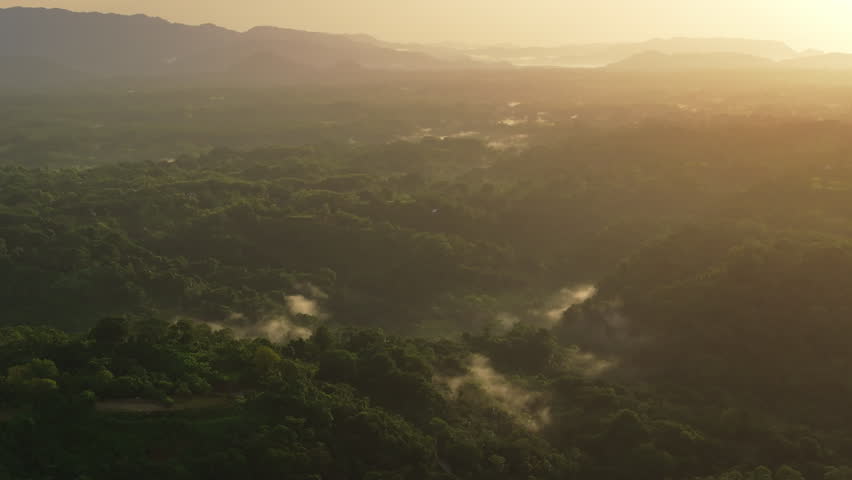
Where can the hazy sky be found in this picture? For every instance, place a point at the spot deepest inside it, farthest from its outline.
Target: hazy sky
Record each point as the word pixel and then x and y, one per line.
pixel 824 24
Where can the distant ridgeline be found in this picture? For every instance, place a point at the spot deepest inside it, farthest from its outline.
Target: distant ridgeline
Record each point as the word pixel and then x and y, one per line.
pixel 73 46
pixel 53 47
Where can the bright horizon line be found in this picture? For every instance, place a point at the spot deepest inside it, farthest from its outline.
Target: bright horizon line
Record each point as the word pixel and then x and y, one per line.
pixel 446 42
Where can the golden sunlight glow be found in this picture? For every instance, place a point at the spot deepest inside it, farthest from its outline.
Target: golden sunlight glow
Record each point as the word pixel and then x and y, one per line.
pixel 823 24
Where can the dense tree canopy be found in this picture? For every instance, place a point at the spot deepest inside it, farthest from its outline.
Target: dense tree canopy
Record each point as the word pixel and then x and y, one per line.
pixel 422 284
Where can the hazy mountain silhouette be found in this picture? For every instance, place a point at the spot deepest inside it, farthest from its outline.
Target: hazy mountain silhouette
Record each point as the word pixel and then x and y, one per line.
pixel 828 61
pixel 758 48
pixel 37 72
pixel 443 51
pixel 599 54
pixel 104 43
pixel 120 45
pixel 269 69
pixel 657 61
pixel 54 47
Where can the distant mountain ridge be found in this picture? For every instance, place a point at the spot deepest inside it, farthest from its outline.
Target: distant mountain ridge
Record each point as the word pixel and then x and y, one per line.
pixel 122 45
pixel 824 61
pixel 656 61
pixel 104 43
pixel 45 47
pixel 600 54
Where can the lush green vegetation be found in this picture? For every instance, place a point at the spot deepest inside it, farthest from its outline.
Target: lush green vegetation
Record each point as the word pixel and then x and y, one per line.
pixel 401 290
pixel 360 404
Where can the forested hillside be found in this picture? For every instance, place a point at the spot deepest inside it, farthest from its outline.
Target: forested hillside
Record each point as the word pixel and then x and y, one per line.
pixel 380 235
pixel 361 404
pixel 604 277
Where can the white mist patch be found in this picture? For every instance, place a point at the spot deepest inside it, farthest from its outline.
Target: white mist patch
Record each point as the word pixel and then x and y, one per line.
pixel 463 134
pixel 416 136
pixel 300 305
pixel 513 104
pixel 281 327
pixel 565 299
pixel 543 120
pixel 312 290
pixel 522 405
pixel 548 313
pixel 513 142
pixel 586 364
pixel 275 329
pixel 513 121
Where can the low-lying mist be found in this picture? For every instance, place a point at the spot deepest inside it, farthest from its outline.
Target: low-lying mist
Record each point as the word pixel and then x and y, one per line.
pixel 278 329
pixel 528 408
pixel 298 320
pixel 550 311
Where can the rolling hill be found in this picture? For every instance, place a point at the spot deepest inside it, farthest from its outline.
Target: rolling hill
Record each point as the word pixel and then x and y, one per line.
pixel 120 45
pixel 656 61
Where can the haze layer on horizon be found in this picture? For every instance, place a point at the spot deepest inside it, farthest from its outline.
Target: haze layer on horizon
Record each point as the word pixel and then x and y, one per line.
pixel 822 24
